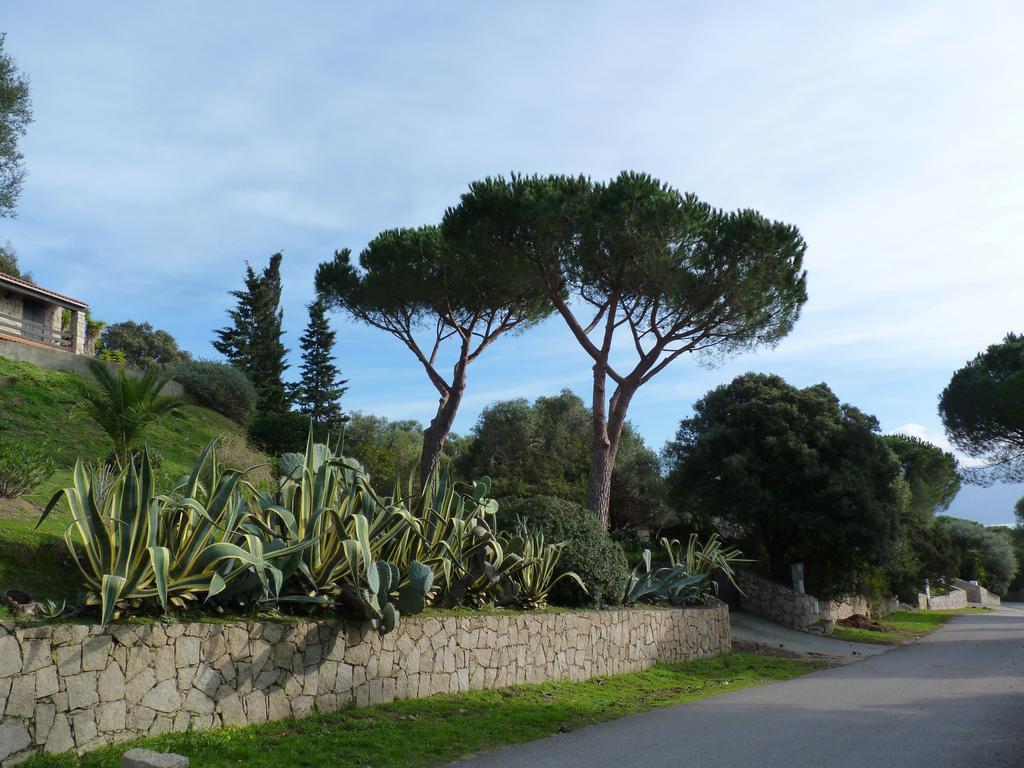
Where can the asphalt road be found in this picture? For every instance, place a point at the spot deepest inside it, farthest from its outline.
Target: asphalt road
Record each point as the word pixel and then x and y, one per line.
pixel 954 699
pixel 751 630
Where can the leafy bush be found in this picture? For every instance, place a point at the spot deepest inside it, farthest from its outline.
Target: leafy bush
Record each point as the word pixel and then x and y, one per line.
pixel 217 386
pixel 23 466
pixel 278 433
pixel 589 551
pixel 112 356
pixel 141 345
pixel 386 449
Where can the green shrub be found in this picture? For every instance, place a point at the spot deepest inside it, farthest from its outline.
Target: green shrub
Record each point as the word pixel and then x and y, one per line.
pixel 217 386
pixel 277 433
pixel 23 465
pixel 589 551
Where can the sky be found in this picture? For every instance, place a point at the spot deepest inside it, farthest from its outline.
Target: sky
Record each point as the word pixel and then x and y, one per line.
pixel 173 142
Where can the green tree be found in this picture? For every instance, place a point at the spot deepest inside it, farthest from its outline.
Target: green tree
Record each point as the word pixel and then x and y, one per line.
pixel 252 343
pixel 924 550
pixel 142 345
pixel 388 450
pixel 543 449
pixel 986 554
pixel 124 406
pixel 318 394
pixel 9 263
pixel 932 474
pixel 431 291
pixel 15 116
pixel 635 258
pixel 795 474
pixel 1016 536
pixel 982 409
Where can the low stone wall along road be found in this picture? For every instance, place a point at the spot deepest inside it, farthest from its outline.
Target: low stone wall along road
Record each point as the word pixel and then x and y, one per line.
pixel 952 700
pixel 78 687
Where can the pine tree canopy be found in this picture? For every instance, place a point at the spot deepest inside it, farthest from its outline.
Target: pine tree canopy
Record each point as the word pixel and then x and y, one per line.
pixel 252 342
pixel 318 394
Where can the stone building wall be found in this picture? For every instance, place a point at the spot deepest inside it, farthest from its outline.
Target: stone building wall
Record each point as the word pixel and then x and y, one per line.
pixel 10 303
pixel 78 687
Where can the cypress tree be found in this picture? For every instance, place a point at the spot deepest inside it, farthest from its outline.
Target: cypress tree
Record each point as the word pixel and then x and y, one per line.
pixel 319 393
pixel 252 343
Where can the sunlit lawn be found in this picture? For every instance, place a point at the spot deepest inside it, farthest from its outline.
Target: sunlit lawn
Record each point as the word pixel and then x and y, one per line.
pixel 907 626
pixel 428 732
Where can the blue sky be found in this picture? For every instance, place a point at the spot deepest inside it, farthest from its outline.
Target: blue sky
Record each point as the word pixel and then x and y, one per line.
pixel 173 141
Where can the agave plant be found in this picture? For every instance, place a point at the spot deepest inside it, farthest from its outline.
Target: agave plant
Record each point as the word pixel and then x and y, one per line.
pixel 706 559
pixel 135 547
pixel 454 536
pixel 538 574
pixel 327 502
pixel 687 579
pixel 673 585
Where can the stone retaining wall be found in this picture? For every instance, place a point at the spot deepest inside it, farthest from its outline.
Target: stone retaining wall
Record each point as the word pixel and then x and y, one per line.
pixel 776 602
pixel 956 599
pixel 886 607
pixel 977 594
pixel 786 606
pixel 77 687
pixel 843 608
pixel 62 360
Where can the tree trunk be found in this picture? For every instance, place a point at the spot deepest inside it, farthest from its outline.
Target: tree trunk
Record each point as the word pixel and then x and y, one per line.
pixel 436 434
pixel 607 433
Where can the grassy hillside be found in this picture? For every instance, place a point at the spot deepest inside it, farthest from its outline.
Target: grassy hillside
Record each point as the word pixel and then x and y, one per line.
pixel 39 406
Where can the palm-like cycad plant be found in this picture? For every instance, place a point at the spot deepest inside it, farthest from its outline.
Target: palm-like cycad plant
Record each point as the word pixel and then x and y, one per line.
pixel 124 406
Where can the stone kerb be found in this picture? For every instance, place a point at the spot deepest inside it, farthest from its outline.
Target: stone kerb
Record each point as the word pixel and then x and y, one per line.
pixel 77 687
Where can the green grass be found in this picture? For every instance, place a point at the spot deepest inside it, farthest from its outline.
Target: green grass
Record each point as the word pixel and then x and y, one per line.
pixel 907 626
pixel 427 732
pixel 38 405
